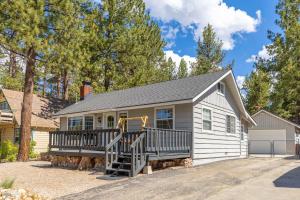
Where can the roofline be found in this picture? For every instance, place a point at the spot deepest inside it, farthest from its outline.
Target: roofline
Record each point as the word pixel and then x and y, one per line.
pixel 287 121
pixel 238 91
pixel 125 108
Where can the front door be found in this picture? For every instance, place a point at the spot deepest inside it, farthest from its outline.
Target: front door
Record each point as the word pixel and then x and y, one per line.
pixel 110 120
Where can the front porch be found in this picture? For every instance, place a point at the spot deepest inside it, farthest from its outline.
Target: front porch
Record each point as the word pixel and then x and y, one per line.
pixel 124 152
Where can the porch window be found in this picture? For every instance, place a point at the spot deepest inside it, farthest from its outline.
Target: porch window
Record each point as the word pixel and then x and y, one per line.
pixel 164 118
pixel 110 121
pixel 230 124
pixel 75 123
pixel 207 119
pixel 88 123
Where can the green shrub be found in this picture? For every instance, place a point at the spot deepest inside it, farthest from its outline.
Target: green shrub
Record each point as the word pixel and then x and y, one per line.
pixel 32 154
pixel 7 183
pixel 8 151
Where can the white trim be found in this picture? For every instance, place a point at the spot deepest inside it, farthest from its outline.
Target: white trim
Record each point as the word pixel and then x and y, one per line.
pixel 114 114
pixel 212 85
pixel 125 108
pixel 211 115
pixel 165 107
pixel 235 124
pixel 83 127
pixel 291 123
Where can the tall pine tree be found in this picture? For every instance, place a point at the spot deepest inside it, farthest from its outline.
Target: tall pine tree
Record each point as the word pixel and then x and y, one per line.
pixel 182 69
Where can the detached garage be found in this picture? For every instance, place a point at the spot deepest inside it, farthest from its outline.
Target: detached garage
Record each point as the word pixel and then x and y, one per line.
pixel 272 134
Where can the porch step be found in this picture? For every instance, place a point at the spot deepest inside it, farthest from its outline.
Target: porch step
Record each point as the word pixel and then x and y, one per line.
pixel 118 171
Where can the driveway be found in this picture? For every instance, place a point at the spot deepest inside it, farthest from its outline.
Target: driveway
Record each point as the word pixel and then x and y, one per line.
pixel 247 179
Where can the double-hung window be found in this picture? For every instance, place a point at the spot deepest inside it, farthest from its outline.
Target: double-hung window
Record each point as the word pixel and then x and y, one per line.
pixel 165 118
pixel 75 123
pixel 221 88
pixel 207 119
pixel 88 123
pixel 230 124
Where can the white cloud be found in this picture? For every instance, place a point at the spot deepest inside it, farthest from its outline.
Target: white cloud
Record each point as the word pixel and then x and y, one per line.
pixel 226 20
pixel 263 53
pixel 177 58
pixel 240 81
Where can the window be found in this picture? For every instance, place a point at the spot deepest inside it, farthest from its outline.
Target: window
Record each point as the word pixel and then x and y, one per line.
pixel 164 118
pixel 17 133
pixel 207 119
pixel 124 115
pixel 88 123
pixel 75 123
pixel 4 105
pixel 110 121
pixel 221 88
pixel 230 124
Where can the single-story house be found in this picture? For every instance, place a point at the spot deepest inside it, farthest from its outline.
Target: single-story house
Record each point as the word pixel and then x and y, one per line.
pixel 272 134
pixel 209 106
pixel 41 122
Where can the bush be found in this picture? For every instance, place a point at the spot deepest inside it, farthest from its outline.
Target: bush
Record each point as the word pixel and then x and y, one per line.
pixel 32 154
pixel 8 151
pixel 7 183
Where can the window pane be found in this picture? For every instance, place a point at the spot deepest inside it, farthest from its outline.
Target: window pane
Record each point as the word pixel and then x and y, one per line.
pixel 164 113
pixel 165 124
pixel 221 88
pixel 206 114
pixel 206 125
pixel 88 123
pixel 75 123
pixel 110 122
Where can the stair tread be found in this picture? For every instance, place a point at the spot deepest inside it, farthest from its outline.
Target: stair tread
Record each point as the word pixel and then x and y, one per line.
pixel 119 170
pixel 122 163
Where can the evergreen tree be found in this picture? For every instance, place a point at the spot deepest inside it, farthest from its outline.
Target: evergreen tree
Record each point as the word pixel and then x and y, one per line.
pixel 37 30
pixel 182 70
pixel 209 52
pixel 257 87
pixel 167 70
pixel 285 65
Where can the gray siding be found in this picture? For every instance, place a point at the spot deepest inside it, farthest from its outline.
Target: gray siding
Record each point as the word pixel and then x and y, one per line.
pixel 217 144
pixel 136 124
pixel 268 122
pixel 184 117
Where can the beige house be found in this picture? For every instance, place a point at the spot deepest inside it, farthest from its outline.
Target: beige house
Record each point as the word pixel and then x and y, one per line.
pixel 41 122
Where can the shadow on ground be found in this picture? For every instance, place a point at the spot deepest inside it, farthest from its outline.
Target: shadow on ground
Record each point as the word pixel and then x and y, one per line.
pixel 291 179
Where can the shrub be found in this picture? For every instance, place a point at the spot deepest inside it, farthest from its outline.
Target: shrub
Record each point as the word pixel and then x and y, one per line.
pixel 32 154
pixel 8 151
pixel 7 183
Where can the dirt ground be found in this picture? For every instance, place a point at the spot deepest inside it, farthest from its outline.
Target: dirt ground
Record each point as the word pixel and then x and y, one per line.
pixel 247 179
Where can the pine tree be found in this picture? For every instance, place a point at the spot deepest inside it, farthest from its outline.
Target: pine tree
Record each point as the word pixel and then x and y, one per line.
pixel 257 87
pixel 37 32
pixel 167 70
pixel 182 70
pixel 209 52
pixel 285 65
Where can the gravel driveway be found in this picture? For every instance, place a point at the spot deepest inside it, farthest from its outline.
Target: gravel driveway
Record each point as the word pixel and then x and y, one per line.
pixel 247 179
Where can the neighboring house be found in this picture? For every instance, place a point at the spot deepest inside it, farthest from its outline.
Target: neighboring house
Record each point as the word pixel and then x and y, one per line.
pixel 272 132
pixel 209 106
pixel 41 122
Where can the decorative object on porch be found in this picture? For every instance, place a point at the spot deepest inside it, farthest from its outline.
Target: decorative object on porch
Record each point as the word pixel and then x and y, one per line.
pixel 122 121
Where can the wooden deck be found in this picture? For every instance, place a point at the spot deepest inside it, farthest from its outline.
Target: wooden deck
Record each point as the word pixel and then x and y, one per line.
pixel 119 149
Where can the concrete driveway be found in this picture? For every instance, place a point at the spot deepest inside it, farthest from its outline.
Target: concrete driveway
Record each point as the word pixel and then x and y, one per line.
pixel 247 179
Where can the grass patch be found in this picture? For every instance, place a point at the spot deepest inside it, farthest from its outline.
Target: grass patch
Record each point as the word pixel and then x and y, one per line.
pixel 7 183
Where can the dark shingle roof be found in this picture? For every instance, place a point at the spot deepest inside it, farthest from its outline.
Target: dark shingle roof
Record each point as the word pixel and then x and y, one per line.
pixel 169 91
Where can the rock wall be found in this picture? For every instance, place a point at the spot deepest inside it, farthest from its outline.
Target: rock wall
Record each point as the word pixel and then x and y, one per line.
pixel 78 162
pixel 162 164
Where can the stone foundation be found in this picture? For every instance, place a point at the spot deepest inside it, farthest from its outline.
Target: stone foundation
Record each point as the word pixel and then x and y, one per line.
pixel 78 162
pixel 162 164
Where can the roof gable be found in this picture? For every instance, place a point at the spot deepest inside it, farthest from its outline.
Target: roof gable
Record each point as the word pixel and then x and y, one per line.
pixel 277 117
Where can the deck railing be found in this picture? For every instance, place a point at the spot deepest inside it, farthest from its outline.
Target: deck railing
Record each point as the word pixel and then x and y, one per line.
pixel 95 140
pixel 168 140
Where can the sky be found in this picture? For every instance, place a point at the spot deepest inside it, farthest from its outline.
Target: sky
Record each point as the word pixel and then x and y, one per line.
pixel 242 25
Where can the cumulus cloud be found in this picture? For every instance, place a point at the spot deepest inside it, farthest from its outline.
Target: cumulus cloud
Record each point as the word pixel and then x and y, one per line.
pixel 177 58
pixel 263 53
pixel 240 81
pixel 226 20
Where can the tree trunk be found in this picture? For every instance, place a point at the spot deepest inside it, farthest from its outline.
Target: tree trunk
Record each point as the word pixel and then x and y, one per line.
pixel 44 86
pixel 66 85
pixel 26 112
pixel 58 86
pixel 12 65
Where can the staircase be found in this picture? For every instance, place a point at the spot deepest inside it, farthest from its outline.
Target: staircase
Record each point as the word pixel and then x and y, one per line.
pixel 126 155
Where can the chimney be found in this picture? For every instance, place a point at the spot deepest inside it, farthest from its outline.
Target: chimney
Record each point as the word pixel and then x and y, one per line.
pixel 85 90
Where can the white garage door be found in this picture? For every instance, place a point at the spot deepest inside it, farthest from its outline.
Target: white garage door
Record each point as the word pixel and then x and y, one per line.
pixel 261 141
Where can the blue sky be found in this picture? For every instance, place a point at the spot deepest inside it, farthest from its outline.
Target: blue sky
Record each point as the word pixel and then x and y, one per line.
pixel 241 24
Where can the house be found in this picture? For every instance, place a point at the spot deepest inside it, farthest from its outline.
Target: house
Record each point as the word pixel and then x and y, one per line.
pixel 272 134
pixel 41 122
pixel 203 116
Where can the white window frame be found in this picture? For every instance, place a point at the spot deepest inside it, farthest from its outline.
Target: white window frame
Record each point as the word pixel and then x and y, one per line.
pixel 221 83
pixel 82 128
pixel 211 113
pixel 164 107
pixel 235 124
pixel 123 112
pixel 114 114
pixel 83 121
